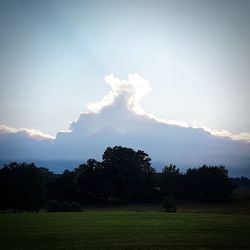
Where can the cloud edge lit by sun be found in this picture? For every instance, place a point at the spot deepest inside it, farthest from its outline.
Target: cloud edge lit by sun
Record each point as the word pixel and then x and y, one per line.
pixel 134 89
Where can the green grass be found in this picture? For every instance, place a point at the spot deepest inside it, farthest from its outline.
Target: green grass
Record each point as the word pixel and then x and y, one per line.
pixel 124 230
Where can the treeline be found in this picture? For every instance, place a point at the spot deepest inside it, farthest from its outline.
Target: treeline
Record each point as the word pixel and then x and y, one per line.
pixel 242 182
pixel 123 176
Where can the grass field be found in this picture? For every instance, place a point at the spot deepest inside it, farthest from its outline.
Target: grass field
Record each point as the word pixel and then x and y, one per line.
pixel 124 230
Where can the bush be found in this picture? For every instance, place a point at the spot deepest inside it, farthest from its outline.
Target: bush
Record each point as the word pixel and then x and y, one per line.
pixel 75 207
pixel 169 204
pixel 55 206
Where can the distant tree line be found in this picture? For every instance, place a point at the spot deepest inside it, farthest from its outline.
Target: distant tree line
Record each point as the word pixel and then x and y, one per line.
pixel 242 182
pixel 123 176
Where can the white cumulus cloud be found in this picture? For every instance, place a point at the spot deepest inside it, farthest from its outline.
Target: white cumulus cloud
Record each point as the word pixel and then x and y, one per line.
pixel 133 89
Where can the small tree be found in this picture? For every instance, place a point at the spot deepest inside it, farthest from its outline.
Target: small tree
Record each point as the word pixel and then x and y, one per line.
pixel 169 204
pixel 171 182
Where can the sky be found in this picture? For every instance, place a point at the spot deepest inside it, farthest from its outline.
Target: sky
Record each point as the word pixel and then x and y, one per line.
pixel 55 55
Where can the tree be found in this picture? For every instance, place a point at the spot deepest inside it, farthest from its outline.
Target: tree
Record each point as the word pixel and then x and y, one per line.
pixel 171 182
pixel 21 187
pixel 64 188
pixel 90 181
pixel 208 183
pixel 128 173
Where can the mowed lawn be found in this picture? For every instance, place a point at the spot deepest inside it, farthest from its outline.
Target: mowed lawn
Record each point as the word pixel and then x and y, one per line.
pixel 124 230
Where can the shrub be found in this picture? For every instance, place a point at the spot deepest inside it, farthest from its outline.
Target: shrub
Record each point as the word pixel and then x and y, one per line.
pixel 169 204
pixel 75 207
pixel 55 206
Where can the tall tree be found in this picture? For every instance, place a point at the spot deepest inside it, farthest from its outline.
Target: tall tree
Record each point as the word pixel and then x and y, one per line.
pixel 129 173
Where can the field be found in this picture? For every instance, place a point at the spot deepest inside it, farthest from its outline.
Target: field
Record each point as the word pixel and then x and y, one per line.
pixel 125 230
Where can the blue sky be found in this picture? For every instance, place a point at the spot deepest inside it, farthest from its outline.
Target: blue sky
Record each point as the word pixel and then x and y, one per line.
pixel 55 54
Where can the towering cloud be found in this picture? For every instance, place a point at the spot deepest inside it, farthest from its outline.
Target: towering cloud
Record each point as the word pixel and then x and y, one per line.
pixel 130 91
pixel 118 119
pixel 125 96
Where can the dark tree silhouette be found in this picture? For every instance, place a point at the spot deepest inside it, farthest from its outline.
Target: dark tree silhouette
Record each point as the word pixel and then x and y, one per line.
pixel 208 183
pixel 123 175
pixel 90 181
pixel 21 187
pixel 171 182
pixel 64 188
pixel 129 174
